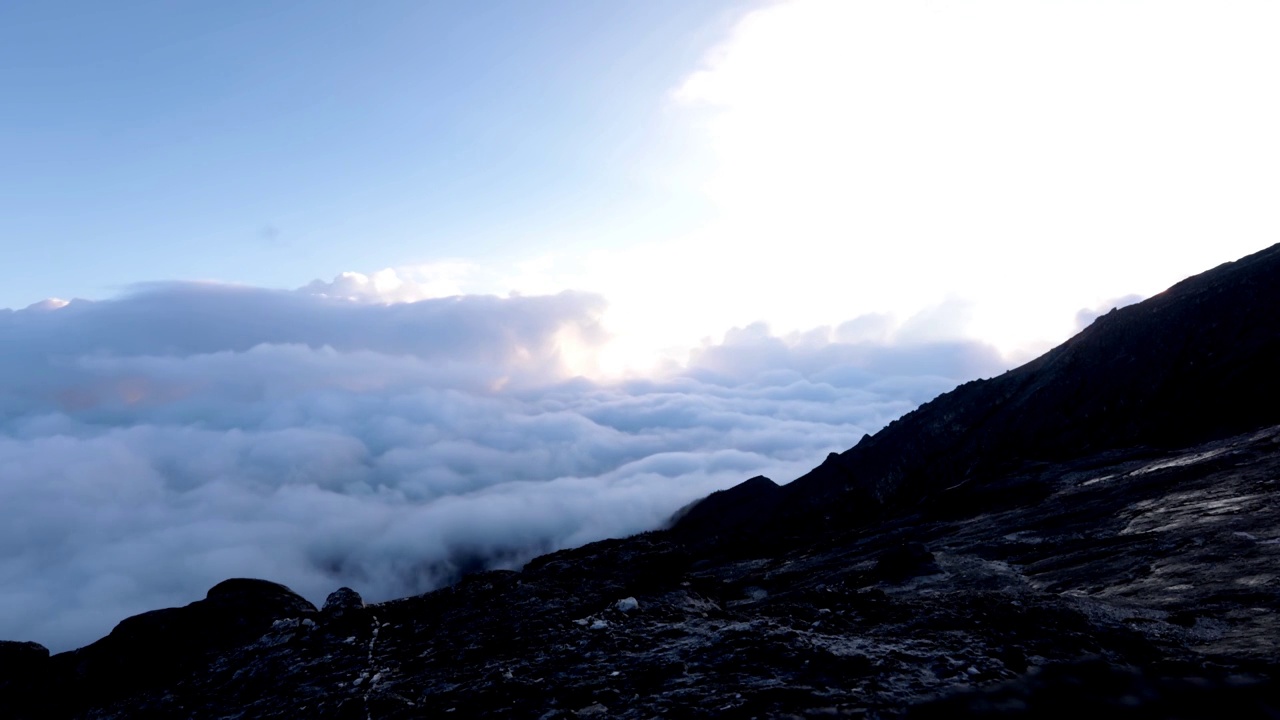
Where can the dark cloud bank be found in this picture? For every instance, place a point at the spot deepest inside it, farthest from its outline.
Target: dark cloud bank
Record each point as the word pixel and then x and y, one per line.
pixel 155 444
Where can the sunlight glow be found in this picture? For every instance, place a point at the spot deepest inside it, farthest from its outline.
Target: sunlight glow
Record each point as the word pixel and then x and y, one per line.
pixel 1025 158
pixel 983 170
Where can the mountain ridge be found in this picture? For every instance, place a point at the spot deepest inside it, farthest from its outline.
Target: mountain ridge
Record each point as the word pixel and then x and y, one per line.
pixel 1120 366
pixel 1094 531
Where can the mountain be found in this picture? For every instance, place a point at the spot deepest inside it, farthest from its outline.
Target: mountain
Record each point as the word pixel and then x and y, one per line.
pixel 1096 531
pixel 1196 362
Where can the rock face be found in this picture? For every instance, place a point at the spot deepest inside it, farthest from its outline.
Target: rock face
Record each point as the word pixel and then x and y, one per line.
pixel 150 650
pixel 21 660
pixel 1097 532
pixel 341 600
pixel 734 511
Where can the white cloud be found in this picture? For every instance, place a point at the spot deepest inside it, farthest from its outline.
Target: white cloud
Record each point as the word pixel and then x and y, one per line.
pixel 1028 157
pixel 403 284
pixel 160 442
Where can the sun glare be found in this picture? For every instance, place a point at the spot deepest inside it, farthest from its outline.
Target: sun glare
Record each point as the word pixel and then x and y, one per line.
pixel 1025 158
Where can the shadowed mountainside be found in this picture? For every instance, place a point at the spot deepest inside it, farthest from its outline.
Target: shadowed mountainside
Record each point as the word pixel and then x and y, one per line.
pixel 1094 532
pixel 1196 362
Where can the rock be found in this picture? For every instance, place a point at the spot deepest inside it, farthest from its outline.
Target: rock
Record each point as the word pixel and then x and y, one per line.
pixel 627 604
pixel 733 511
pixel 344 598
pixel 233 611
pixel 905 561
pixel 19 659
pixel 23 668
pixel 1096 688
pixel 154 648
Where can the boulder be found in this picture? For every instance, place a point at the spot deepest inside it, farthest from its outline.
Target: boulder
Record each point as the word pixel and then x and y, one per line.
pixel 904 562
pixel 154 648
pixel 342 599
pixel 20 659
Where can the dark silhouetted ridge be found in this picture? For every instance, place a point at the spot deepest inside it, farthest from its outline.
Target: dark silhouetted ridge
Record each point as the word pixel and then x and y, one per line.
pixel 1197 362
pixel 736 508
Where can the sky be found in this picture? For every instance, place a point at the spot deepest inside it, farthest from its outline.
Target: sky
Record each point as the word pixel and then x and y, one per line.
pixel 371 294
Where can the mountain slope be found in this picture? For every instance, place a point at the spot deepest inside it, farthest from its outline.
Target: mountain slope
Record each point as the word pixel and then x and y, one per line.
pixel 1196 362
pixel 1096 532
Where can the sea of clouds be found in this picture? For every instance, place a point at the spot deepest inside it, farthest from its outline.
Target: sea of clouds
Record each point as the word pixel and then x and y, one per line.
pixel 154 444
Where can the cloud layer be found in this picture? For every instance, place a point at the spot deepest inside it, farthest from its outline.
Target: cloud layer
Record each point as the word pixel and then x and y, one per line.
pixel 160 442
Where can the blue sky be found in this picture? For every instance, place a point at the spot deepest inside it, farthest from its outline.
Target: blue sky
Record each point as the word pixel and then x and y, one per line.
pixel 985 169
pixel 276 142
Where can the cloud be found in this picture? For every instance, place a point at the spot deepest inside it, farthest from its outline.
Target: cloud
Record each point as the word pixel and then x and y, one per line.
pixel 883 156
pixel 104 355
pixel 404 284
pixel 157 443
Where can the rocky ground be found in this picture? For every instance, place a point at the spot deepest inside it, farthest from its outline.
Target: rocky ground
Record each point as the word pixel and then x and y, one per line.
pixel 1139 582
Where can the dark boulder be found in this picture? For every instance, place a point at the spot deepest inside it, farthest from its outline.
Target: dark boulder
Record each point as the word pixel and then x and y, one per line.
pixel 20 659
pixel 22 665
pixel 904 562
pixel 344 598
pixel 156 647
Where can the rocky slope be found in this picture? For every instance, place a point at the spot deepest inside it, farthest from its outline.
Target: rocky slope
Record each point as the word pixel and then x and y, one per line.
pixel 1196 362
pixel 1097 531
